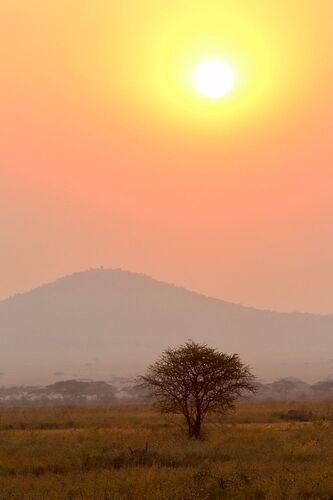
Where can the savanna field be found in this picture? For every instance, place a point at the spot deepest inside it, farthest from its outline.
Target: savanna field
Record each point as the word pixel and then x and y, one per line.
pixel 266 450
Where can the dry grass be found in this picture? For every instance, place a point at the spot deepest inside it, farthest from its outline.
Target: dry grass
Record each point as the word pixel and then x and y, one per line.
pixel 84 453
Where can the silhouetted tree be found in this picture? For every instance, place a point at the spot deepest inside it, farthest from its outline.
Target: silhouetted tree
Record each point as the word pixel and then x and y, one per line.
pixel 194 380
pixel 284 386
pixel 323 390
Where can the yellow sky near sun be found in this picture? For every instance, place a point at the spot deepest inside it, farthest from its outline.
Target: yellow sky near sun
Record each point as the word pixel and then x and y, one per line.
pixel 144 54
pixel 146 51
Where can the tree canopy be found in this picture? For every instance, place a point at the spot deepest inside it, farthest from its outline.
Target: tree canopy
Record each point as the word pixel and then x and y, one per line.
pixel 195 380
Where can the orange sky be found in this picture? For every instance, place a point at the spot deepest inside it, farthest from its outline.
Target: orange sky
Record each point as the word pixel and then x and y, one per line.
pixel 108 157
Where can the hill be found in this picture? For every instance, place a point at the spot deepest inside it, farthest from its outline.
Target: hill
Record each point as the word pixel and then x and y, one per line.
pixel 101 323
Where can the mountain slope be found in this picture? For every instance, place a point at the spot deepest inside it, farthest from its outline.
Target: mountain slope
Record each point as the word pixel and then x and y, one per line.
pixel 100 323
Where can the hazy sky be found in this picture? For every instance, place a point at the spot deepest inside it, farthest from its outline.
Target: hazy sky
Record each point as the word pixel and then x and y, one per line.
pixel 109 157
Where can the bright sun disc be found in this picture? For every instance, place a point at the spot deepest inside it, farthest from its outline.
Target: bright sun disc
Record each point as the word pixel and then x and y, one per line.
pixel 213 79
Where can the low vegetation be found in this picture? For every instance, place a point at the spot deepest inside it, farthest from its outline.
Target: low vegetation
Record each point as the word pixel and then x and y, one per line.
pixel 260 451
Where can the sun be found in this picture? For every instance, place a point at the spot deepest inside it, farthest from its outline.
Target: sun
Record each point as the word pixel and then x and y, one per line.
pixel 213 79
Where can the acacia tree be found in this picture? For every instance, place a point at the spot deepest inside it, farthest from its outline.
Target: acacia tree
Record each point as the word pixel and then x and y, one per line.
pixel 195 380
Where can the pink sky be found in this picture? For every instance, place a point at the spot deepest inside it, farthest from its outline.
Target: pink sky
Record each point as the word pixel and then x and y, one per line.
pixel 92 173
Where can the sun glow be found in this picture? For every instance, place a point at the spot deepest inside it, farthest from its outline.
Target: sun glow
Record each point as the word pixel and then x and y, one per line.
pixel 213 79
pixel 214 70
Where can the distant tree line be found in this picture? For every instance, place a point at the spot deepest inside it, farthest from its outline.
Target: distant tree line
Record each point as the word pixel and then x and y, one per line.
pixel 77 392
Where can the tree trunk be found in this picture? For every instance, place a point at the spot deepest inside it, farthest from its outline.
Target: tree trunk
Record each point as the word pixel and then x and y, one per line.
pixel 189 425
pixel 194 428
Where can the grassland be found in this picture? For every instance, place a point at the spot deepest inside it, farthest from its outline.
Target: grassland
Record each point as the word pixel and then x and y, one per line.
pixel 99 454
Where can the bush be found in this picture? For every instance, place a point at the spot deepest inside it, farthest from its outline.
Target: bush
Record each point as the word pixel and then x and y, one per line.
pixel 297 415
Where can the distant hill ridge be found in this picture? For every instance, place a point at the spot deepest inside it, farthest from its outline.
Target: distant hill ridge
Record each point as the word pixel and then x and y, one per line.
pixel 105 322
pixel 87 274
